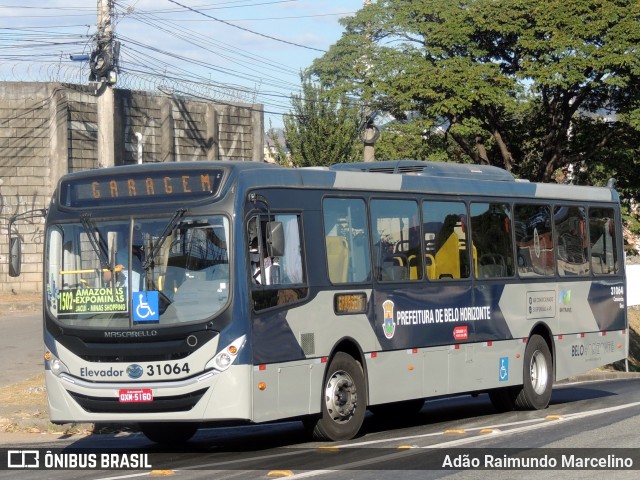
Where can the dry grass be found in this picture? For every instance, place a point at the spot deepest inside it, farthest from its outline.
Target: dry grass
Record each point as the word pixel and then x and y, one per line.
pixel 8 297
pixel 24 406
pixel 27 392
pixel 634 339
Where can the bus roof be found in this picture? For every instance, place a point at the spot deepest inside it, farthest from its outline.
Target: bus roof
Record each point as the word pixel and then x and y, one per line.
pixel 432 169
pixel 399 176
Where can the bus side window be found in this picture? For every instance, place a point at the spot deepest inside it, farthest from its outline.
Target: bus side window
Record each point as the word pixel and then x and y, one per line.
pixel 445 240
pixel 346 240
pixel 395 226
pixel 570 240
pixel 276 269
pixel 534 243
pixel 603 241
pixel 491 233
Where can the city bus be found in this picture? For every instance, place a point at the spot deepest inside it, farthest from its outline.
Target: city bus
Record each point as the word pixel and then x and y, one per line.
pixel 183 295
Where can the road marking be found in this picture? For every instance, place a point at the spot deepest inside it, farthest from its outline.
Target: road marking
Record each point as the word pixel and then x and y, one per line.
pixel 589 413
pixel 279 473
pixel 406 452
pixel 133 475
pixel 329 449
pixel 497 430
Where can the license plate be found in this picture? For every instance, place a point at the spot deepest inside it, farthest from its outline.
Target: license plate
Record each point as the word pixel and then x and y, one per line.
pixel 135 396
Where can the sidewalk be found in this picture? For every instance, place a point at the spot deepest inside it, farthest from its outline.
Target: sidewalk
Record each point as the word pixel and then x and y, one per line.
pixel 20 302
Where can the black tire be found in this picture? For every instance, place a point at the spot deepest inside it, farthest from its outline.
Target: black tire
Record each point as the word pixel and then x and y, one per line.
pixel 504 399
pixel 535 393
pixel 169 433
pixel 403 409
pixel 343 402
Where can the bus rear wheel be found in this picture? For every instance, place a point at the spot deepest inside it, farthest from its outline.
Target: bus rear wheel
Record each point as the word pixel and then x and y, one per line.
pixel 169 433
pixel 535 392
pixel 343 401
pixel 538 376
pixel 504 399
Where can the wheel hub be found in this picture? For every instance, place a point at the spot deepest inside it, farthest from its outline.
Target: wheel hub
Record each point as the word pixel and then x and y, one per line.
pixel 341 397
pixel 539 372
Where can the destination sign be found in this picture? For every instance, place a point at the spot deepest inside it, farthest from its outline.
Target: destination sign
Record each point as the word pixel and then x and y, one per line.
pixel 142 187
pixel 344 303
pixel 92 300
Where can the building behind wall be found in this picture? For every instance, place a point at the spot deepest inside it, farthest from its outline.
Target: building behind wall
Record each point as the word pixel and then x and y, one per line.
pixel 49 129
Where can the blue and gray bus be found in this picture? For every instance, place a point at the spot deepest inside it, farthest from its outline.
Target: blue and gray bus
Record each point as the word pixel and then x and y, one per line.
pixel 181 295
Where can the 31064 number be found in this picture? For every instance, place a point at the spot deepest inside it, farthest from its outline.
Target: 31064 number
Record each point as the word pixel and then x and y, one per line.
pixel 167 369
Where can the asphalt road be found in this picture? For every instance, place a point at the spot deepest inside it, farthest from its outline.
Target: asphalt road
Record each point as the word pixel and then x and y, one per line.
pixel 581 420
pixel 21 347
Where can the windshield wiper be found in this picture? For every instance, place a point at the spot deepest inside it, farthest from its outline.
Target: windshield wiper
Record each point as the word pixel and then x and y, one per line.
pixel 98 246
pixel 149 260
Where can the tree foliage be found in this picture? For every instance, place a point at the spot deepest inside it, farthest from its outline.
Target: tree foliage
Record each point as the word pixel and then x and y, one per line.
pixel 322 129
pixel 528 85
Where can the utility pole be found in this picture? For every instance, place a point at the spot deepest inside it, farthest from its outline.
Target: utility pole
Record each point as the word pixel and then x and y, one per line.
pixel 104 75
pixel 370 133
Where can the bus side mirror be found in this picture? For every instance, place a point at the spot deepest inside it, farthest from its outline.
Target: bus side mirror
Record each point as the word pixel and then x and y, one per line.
pixel 15 255
pixel 275 239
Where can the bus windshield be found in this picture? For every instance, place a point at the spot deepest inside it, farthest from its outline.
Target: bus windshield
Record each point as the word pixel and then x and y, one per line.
pixel 136 272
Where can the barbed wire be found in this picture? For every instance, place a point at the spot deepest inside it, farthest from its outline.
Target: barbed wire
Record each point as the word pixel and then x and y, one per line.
pixel 78 73
pixel 61 72
pixel 164 84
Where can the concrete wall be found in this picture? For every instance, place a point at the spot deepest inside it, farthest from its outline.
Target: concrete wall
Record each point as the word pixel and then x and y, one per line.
pixel 49 129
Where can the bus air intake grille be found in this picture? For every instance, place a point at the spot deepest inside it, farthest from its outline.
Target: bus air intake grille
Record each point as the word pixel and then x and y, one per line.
pixel 308 343
pixel 178 403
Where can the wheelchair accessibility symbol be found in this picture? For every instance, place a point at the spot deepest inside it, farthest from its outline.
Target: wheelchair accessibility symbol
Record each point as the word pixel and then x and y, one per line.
pixel 145 307
pixel 504 369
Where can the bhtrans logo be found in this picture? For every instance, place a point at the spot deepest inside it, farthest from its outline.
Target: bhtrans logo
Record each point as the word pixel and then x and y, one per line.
pixel 564 299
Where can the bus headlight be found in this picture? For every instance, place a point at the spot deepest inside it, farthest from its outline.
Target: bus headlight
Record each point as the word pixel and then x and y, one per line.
pixel 225 358
pixel 55 364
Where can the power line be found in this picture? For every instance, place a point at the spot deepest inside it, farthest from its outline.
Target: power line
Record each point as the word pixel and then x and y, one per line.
pixel 199 40
pixel 202 64
pixel 246 29
pixel 217 6
pixel 292 17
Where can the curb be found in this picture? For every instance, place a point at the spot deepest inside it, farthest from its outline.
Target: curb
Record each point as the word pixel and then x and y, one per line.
pixel 20 307
pixel 599 376
pixel 8 307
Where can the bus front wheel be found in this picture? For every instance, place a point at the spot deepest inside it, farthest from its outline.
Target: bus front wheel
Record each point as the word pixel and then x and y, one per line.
pixel 343 400
pixel 169 433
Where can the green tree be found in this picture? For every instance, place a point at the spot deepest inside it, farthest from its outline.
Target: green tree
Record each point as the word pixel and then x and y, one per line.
pixel 322 129
pixel 512 80
pixel 415 140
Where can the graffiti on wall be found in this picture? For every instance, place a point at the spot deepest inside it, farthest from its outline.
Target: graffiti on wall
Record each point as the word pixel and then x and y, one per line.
pixel 29 229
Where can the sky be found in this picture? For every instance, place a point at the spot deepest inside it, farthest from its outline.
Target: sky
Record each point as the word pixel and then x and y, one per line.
pixel 249 51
